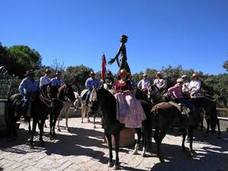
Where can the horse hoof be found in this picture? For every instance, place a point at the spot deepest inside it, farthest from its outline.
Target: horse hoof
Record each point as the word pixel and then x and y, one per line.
pixel 161 160
pixel 117 167
pixel 110 164
pixel 59 129
pixel 135 152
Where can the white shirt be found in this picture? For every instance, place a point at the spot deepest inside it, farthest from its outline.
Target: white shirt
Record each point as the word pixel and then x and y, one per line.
pixel 143 84
pixel 44 80
pixel 194 85
pixel 160 83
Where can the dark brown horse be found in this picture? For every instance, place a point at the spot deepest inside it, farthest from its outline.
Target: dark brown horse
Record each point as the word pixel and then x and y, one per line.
pixel 58 96
pixel 107 104
pixel 206 107
pixel 164 115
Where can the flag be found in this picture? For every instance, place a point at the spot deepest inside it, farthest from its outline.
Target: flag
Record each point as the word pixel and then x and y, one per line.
pixel 103 67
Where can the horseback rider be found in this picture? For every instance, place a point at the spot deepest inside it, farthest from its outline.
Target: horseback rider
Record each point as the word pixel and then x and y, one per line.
pixel 57 80
pixel 109 80
pixel 122 51
pixel 185 86
pixel 91 83
pixel 129 109
pixel 195 86
pixel 45 81
pixel 177 95
pixel 144 84
pixel 160 82
pixel 27 88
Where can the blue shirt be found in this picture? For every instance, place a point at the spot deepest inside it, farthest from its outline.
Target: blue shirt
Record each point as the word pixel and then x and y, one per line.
pixel 92 83
pixel 57 82
pixel 28 86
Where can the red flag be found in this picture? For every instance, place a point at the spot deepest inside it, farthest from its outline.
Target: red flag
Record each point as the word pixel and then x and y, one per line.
pixel 103 67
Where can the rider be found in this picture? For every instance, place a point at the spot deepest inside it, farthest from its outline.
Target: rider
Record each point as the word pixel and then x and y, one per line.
pixel 160 82
pixel 194 86
pixel 91 83
pixel 185 86
pixel 176 93
pixel 109 80
pixel 129 109
pixel 57 81
pixel 27 88
pixel 144 84
pixel 45 81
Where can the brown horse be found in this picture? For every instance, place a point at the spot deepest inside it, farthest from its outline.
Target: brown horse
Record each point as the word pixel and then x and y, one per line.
pixel 164 115
pixel 59 97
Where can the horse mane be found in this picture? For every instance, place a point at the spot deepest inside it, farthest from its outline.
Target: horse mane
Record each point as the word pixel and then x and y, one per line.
pixel 107 102
pixel 61 91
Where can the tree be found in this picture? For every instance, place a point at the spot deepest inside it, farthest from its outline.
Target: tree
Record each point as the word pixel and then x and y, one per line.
pixel 77 75
pixel 24 58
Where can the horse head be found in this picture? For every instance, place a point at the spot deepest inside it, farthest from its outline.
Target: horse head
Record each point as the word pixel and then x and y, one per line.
pixel 66 92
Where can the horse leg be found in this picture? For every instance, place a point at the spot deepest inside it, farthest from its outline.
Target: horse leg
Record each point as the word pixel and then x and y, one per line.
pixel 41 127
pixel 190 135
pixel 139 135
pixel 82 112
pixel 219 131
pixel 109 138
pixel 51 125
pixel 184 134
pixel 117 141
pixel 34 122
pixel 29 127
pixel 94 120
pixel 58 127
pixel 66 117
pixel 158 137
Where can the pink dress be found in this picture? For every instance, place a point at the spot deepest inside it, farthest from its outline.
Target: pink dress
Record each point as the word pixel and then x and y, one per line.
pixel 129 109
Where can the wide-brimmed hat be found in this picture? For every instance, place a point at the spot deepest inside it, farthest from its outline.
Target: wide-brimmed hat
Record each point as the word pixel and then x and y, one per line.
pixel 195 75
pixel 58 73
pixel 92 73
pixel 124 36
pixel 144 74
pixel 180 80
pixel 47 71
pixel 184 76
pixel 29 73
pixel 158 74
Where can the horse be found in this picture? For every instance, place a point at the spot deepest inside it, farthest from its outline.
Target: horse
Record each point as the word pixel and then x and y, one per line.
pixel 14 113
pixel 164 115
pixel 86 107
pixel 63 95
pixel 107 104
pixel 207 107
pixel 37 110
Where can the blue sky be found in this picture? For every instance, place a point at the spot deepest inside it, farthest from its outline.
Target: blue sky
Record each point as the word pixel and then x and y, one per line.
pixel 191 33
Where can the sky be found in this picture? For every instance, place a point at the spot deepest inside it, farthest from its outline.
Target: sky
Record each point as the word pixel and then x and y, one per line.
pixel 190 33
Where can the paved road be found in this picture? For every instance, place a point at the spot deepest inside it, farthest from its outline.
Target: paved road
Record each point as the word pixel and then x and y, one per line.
pixel 83 149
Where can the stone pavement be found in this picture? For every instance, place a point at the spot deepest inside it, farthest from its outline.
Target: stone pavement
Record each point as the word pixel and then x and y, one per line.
pixel 83 149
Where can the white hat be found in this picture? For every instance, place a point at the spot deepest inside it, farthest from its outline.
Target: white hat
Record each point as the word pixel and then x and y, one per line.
pixel 180 80
pixel 184 76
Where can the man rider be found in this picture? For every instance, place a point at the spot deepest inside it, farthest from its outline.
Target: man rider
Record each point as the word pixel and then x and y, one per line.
pixel 27 88
pixel 57 81
pixel 194 86
pixel 45 81
pixel 91 83
pixel 160 82
pixel 144 84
